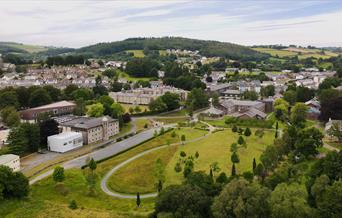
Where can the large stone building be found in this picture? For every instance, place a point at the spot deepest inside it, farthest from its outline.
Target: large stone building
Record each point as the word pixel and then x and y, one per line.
pixel 92 129
pixel 243 109
pixel 145 95
pixel 54 109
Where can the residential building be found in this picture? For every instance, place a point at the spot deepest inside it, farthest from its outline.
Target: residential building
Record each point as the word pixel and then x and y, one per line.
pixel 243 108
pixel 65 141
pixel 92 129
pixel 314 109
pixel 144 96
pixel 10 160
pixel 55 109
pixel 231 94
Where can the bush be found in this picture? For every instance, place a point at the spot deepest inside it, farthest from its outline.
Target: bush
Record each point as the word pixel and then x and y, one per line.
pixel 182 154
pixel 247 132
pixel 73 205
pixel 58 174
pixel 178 168
pixel 233 121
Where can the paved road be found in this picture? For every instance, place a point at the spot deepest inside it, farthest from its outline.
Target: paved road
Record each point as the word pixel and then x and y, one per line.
pixel 108 151
pixel 117 167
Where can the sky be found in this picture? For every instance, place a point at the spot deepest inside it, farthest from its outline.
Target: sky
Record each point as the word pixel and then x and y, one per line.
pixel 77 23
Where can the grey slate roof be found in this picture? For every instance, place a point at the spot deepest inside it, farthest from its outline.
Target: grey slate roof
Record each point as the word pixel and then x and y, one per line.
pixel 86 122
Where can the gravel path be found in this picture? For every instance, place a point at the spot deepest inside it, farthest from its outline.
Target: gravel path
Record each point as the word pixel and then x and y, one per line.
pixel 117 167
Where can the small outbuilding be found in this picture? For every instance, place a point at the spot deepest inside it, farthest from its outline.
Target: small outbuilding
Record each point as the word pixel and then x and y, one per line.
pixel 65 141
pixel 10 160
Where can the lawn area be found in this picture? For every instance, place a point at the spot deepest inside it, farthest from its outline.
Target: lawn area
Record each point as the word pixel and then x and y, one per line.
pixel 168 120
pixel 138 175
pixel 275 52
pixel 131 78
pixel 182 112
pixel 45 201
pixel 216 148
pixel 137 53
pixel 162 52
pixel 141 124
pixel 128 106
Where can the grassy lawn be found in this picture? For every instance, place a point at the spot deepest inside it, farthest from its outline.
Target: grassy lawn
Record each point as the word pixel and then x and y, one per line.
pixel 162 52
pixel 182 112
pixel 216 148
pixel 137 53
pixel 45 201
pixel 275 52
pixel 128 106
pixel 138 175
pixel 141 124
pixel 131 78
pixel 168 120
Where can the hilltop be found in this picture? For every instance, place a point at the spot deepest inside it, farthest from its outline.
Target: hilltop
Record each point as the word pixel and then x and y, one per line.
pixel 205 47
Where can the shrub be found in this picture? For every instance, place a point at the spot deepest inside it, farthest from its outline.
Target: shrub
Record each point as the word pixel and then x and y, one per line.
pixel 182 154
pixel 73 205
pixel 247 132
pixel 58 174
pixel 178 168
pixel 235 128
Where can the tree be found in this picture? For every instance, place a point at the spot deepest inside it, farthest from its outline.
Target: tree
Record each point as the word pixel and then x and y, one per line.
pixel 157 105
pixel 117 110
pixel 47 128
pixel 17 140
pixel 196 155
pixel 298 113
pixel 267 91
pixel 58 174
pixel 73 205
pixel 107 102
pixel 290 201
pixel 331 109
pixel 222 178
pixel 183 138
pixel 260 171
pixel 308 141
pixel 9 99
pixel 250 95
pixel 32 134
pixel 329 201
pixel 178 167
pixel 171 100
pixel 233 170
pixel 92 164
pixel 270 157
pixel 235 128
pixel 327 95
pixel 82 93
pixel 53 92
pixel 235 158
pixel 183 201
pixel 69 90
pixel 10 116
pixel 247 132
pixel 110 73
pixel 241 199
pixel 233 147
pixel 95 110
pixel 197 99
pixel 138 201
pixel 12 184
pixel 241 141
pixel 39 97
pixel 290 96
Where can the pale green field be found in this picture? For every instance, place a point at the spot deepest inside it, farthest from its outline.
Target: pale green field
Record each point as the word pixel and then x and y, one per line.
pixel 137 53
pixel 28 48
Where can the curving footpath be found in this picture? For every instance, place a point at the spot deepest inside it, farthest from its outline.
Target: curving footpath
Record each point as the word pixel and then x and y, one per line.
pixel 117 167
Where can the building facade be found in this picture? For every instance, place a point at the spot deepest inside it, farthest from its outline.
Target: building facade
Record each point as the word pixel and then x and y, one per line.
pixel 93 129
pixel 10 160
pixel 65 141
pixel 54 109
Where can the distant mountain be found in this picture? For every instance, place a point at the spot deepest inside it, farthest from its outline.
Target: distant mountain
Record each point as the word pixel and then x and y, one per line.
pixel 31 51
pixel 206 48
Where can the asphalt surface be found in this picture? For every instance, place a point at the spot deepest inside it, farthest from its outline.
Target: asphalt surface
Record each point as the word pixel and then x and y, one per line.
pixel 106 152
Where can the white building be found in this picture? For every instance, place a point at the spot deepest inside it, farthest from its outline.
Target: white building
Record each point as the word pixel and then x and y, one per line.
pixel 10 160
pixel 65 141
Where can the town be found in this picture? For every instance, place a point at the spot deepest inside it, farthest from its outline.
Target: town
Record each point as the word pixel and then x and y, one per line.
pixel 103 125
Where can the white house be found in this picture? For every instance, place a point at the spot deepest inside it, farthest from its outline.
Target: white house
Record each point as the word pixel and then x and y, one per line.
pixel 10 160
pixel 65 141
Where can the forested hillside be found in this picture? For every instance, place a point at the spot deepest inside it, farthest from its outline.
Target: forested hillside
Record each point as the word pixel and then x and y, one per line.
pixel 206 48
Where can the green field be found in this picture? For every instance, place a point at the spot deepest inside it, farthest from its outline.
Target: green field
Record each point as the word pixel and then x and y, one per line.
pixel 301 52
pixel 132 79
pixel 141 124
pixel 138 175
pixel 137 53
pixel 128 106
pixel 168 120
pixel 28 48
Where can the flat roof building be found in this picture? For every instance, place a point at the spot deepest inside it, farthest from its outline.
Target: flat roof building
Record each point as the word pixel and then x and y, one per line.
pixel 65 141
pixel 55 109
pixel 10 160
